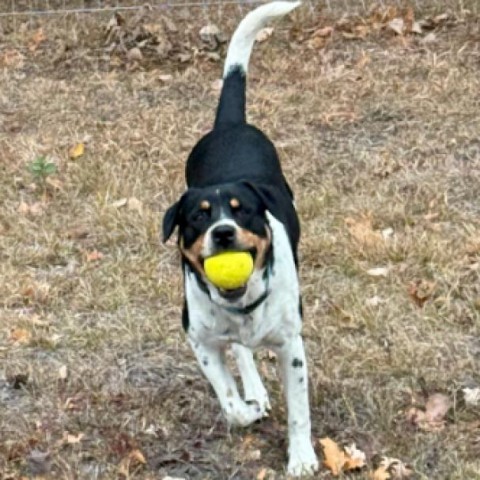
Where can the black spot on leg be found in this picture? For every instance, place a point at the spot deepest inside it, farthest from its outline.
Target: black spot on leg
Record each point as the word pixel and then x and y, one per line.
pixel 300 380
pixel 300 307
pixel 297 363
pixel 205 361
pixel 212 312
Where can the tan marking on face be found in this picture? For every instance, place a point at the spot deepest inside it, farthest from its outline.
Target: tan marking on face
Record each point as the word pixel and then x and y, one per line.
pixel 193 254
pixel 234 202
pixel 249 240
pixel 205 205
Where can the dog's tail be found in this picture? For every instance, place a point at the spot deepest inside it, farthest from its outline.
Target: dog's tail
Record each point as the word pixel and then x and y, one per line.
pixel 231 107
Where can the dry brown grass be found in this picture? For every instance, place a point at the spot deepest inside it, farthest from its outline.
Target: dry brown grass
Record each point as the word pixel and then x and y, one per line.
pixel 374 134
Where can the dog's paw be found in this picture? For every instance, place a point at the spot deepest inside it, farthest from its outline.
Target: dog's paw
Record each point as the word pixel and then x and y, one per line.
pixel 259 396
pixel 243 414
pixel 303 460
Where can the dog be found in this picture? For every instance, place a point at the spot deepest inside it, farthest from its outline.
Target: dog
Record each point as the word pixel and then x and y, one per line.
pixel 237 199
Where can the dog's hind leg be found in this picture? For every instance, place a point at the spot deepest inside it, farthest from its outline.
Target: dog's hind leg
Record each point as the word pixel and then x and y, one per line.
pixel 253 388
pixel 213 364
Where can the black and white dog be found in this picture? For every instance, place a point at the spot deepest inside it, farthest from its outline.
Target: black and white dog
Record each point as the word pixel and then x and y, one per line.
pixel 239 200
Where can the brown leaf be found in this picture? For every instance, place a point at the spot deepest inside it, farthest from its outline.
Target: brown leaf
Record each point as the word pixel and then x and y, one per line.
pixel 361 229
pixel 335 457
pixel 397 25
pixel 93 256
pixel 432 419
pixel 420 291
pixel 134 54
pixel 20 335
pixel 323 32
pixel 37 38
pixel 72 439
pixel 76 151
pixel 355 458
pixel 391 469
pixel 437 407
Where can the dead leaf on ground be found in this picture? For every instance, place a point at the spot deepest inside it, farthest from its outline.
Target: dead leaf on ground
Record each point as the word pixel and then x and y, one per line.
pixel 12 58
pixel 378 271
pixel 471 396
pixel 135 457
pixel 362 231
pixel 63 372
pixel 338 459
pixel 264 34
pixel 432 418
pixel 397 25
pixel 34 209
pixel 420 291
pixel 37 39
pixel 20 335
pixel 93 255
pixel 76 151
pixel 391 469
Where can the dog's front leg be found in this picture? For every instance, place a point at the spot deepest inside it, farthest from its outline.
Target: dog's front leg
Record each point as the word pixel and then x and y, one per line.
pixel 212 362
pixel 293 365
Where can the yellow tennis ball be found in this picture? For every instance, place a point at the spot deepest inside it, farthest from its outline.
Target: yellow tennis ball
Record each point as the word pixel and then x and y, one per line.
pixel 229 270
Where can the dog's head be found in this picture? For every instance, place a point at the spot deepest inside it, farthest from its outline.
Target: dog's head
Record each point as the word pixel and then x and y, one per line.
pixel 221 218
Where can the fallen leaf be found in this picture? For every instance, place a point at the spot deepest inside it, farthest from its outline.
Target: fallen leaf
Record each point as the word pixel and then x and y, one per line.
pixel 420 291
pixel 362 231
pixel 77 233
pixel 20 335
pixel 335 457
pixel 71 439
pixel 432 418
pixel 93 256
pixel 135 457
pixel 471 396
pixel 437 407
pixel 378 271
pixel 133 204
pixel 323 32
pixel 165 78
pixel 374 301
pixel 391 469
pixel 134 54
pixel 397 25
pixel 355 458
pixel 261 474
pixel 63 372
pixel 417 28
pixel 119 203
pixel 36 40
pixel 56 183
pixel 35 209
pixel 76 151
pixel 264 34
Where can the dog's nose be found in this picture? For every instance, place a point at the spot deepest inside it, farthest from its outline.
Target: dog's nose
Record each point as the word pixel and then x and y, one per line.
pixel 223 235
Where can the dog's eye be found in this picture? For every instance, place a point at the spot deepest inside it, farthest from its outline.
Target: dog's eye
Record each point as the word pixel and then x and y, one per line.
pixel 239 211
pixel 201 215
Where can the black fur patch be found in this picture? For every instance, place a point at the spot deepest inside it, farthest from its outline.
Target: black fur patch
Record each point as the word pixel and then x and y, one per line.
pixel 297 363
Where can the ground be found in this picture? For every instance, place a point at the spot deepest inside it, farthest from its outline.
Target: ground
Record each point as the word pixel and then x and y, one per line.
pixel 379 136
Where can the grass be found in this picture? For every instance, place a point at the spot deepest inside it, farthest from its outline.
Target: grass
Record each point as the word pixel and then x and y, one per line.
pixel 376 134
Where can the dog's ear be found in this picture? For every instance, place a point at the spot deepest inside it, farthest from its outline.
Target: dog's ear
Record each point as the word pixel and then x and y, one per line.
pixel 267 194
pixel 170 220
pixel 172 217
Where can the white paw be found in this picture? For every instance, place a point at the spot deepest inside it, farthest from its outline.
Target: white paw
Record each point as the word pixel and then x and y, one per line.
pixel 242 414
pixel 303 460
pixel 259 395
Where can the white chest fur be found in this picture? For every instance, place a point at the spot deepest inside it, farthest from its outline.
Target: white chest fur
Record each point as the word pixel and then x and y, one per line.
pixel 270 323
